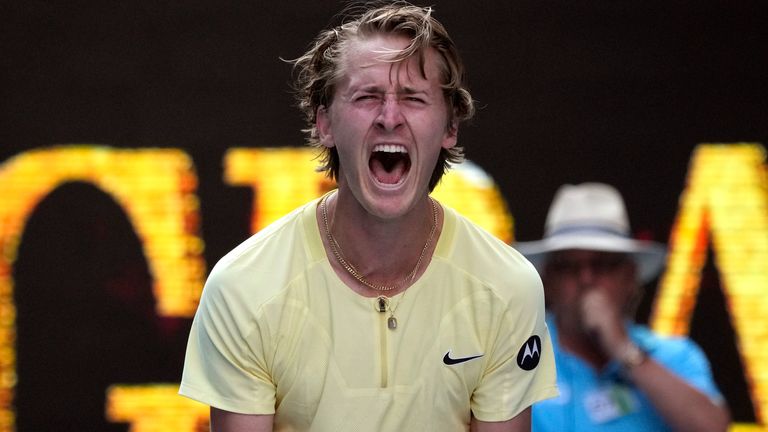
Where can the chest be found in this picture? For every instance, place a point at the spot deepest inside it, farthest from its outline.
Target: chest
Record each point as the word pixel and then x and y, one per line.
pixel 594 401
pixel 346 354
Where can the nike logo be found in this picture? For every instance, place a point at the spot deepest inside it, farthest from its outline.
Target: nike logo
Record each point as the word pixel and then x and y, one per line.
pixel 452 361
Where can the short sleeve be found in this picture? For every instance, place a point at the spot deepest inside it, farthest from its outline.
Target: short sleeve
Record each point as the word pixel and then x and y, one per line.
pixel 521 370
pixel 225 364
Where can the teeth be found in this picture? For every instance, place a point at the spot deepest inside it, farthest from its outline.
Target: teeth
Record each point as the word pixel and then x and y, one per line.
pixel 390 148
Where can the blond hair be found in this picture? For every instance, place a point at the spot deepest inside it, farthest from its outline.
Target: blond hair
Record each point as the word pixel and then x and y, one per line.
pixel 320 68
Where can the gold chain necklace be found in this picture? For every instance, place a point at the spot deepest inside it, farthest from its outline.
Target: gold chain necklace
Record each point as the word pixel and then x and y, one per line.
pixel 353 271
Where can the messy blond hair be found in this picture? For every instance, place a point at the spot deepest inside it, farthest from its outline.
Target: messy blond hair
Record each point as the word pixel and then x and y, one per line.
pixel 318 71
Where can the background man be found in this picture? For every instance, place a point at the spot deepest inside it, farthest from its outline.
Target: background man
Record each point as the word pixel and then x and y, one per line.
pixel 614 375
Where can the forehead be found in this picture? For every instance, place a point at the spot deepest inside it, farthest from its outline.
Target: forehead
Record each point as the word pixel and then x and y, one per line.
pixel 371 58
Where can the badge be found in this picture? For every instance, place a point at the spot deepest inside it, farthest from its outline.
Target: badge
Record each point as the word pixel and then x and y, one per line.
pixel 610 402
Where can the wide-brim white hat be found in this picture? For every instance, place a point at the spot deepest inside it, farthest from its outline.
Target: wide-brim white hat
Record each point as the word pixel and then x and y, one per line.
pixel 592 216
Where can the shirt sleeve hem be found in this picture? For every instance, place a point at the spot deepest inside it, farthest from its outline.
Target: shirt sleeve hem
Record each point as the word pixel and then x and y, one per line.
pixel 499 415
pixel 235 406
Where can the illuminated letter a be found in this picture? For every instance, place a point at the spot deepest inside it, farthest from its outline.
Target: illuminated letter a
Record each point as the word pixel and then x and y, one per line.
pixel 725 204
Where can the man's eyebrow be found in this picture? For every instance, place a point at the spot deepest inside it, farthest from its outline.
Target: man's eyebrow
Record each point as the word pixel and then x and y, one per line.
pixel 411 90
pixel 374 88
pixel 369 88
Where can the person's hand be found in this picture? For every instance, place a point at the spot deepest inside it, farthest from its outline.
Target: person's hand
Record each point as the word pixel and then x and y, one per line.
pixel 603 320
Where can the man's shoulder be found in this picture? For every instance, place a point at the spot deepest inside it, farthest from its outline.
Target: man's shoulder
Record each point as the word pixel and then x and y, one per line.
pixel 470 238
pixel 266 261
pixel 663 346
pixel 280 237
pixel 682 356
pixel 489 259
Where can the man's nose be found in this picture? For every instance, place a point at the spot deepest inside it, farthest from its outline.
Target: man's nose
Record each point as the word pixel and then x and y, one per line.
pixel 586 274
pixel 391 116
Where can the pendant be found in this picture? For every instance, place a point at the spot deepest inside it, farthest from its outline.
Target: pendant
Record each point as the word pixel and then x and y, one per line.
pixel 392 322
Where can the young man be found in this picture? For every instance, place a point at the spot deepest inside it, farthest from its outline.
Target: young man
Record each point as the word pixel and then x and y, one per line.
pixel 374 308
pixel 613 375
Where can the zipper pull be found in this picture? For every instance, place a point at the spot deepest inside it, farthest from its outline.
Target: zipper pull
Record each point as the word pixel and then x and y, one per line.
pixel 382 303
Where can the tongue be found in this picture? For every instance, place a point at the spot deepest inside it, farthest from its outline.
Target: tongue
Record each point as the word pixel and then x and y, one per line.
pixel 387 172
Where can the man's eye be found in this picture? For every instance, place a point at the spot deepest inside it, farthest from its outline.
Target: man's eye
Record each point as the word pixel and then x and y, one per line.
pixel 366 97
pixel 415 99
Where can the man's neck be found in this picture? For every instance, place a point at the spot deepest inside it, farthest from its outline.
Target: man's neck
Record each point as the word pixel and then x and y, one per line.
pixel 384 253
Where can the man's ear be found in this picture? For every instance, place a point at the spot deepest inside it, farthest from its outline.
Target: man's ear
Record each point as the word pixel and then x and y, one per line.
pixel 323 125
pixel 451 134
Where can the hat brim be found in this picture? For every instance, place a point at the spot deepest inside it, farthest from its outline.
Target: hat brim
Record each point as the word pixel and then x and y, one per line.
pixel 648 256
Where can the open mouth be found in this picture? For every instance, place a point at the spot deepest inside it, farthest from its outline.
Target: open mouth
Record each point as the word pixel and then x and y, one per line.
pixel 389 163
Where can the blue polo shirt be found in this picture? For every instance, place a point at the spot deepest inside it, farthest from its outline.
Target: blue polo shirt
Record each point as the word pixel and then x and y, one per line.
pixel 606 401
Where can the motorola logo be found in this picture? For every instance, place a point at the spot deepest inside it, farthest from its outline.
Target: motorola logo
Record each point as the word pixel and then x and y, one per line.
pixel 530 353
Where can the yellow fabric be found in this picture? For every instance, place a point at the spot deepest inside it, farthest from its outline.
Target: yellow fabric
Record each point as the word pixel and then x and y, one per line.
pixel 278 332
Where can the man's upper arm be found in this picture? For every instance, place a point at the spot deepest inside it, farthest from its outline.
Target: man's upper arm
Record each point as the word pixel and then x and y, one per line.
pixel 519 423
pixel 226 421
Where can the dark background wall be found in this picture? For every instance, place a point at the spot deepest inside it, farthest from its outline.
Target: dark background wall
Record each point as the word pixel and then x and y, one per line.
pixel 616 91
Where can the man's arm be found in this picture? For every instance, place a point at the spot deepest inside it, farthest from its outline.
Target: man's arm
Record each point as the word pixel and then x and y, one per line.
pixel 226 421
pixel 519 423
pixel 683 407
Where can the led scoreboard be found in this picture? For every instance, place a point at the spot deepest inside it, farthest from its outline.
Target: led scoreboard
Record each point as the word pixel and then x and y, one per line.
pixel 723 208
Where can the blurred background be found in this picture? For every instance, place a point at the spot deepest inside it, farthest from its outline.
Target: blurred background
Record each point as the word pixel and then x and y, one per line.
pixel 569 91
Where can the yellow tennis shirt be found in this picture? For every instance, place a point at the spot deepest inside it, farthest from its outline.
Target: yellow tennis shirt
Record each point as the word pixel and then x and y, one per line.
pixel 278 332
